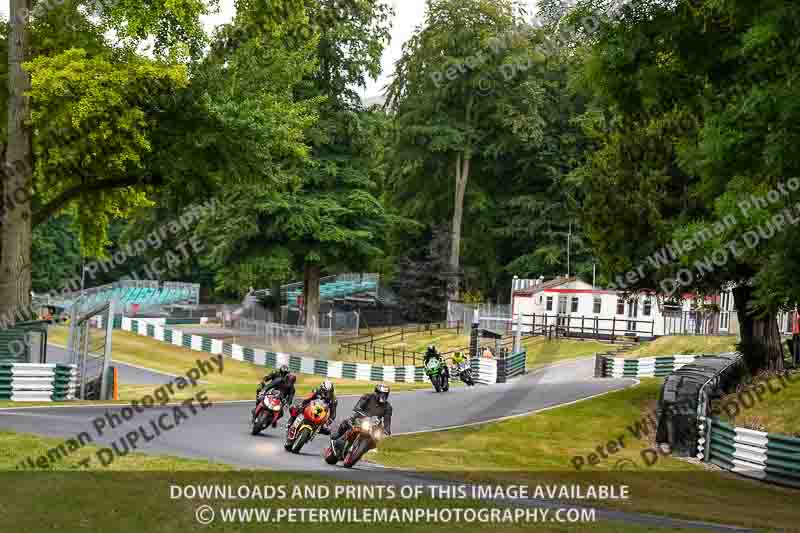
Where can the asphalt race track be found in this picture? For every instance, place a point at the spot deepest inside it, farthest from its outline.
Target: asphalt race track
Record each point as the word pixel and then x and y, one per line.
pixel 128 374
pixel 221 433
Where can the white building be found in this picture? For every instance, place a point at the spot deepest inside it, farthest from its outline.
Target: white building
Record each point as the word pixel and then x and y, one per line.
pixel 581 310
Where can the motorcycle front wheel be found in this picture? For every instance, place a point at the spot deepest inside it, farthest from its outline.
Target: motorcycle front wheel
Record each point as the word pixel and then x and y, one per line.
pixel 258 425
pixel 355 453
pixel 435 382
pixel 301 439
pixel 330 456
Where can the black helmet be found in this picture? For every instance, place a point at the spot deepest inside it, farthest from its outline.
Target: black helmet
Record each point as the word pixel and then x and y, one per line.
pixel 283 370
pixel 382 393
pixel 431 349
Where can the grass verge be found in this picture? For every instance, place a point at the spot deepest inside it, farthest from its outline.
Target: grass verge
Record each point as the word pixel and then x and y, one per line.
pixel 135 494
pixel 545 446
pixel 542 352
pixel 772 406
pixel 684 344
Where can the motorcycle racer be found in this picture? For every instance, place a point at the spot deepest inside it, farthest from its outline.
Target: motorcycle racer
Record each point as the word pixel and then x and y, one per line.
pixel 281 380
pixel 326 392
pixel 375 404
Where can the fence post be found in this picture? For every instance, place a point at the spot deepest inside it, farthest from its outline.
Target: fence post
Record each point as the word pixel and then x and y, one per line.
pixel 583 319
pixel 613 330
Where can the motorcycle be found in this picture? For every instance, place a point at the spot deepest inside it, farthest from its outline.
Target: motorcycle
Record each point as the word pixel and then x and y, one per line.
pixel 268 411
pixel 306 425
pixel 464 373
pixel 438 374
pixel 362 437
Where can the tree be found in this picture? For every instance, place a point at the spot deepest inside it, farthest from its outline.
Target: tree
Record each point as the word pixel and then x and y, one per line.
pixel 422 281
pixel 702 101
pixel 459 96
pixel 324 212
pixel 31 195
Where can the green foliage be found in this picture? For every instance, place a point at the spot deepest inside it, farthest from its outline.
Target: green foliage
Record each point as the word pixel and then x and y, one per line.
pixel 55 254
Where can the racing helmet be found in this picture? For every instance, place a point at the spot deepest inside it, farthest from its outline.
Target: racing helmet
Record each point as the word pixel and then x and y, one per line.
pixel 382 393
pixel 283 370
pixel 431 349
pixel 326 389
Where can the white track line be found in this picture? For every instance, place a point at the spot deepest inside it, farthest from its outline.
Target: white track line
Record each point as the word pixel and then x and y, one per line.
pixel 509 417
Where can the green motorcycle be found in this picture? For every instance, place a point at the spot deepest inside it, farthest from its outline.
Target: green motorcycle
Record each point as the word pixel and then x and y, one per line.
pixel 438 374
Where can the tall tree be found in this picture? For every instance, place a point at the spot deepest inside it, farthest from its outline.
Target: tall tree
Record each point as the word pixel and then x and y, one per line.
pixel 15 228
pixel 456 95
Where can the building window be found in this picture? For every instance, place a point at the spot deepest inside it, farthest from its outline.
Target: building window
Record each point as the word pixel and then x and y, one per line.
pixel 549 303
pixel 540 300
pixel 597 302
pixel 620 306
pixel 574 308
pixel 648 306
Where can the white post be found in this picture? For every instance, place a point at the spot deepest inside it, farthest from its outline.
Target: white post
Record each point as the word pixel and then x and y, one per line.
pixel 518 333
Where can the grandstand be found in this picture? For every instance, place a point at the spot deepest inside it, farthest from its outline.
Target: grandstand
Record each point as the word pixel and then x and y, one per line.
pixel 133 295
pixel 331 288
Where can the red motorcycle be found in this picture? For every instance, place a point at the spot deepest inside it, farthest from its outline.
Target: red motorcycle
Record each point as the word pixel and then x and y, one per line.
pixel 306 426
pixel 268 411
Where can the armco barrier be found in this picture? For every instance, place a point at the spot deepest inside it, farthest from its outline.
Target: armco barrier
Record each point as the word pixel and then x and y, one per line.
pixel 23 382
pixel 755 454
pixel 617 367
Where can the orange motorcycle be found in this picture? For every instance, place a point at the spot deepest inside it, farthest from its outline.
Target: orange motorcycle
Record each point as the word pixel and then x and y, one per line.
pixel 364 435
pixel 306 425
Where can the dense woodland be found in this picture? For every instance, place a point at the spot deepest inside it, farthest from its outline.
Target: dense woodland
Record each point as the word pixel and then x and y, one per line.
pixel 627 125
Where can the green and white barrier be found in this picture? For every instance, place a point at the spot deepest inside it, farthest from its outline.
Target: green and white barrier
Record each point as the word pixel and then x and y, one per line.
pixel 484 370
pixel 24 382
pixel 98 321
pixel 296 363
pixel 511 366
pixel 617 367
pixel 754 454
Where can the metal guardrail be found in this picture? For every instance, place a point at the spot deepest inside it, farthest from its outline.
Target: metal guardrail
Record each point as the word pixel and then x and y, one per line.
pixel 754 454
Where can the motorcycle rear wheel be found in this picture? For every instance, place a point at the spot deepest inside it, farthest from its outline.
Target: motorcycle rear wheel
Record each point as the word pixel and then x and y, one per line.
pixel 445 384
